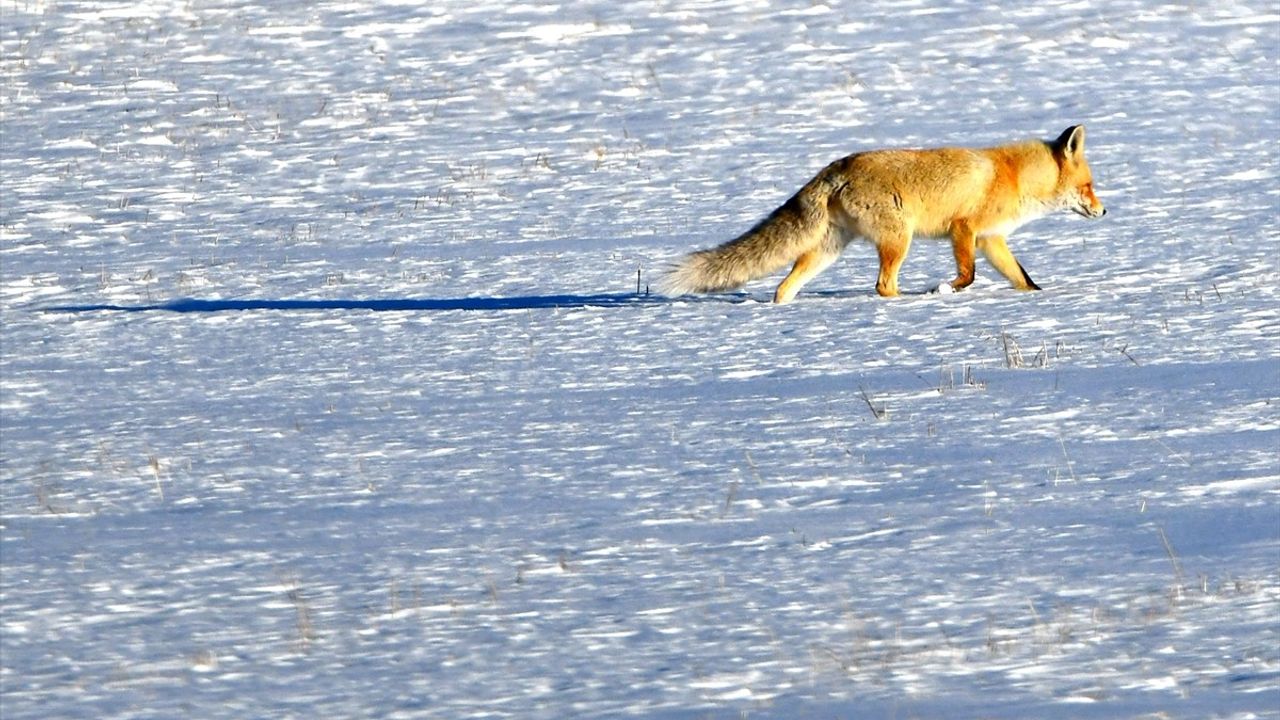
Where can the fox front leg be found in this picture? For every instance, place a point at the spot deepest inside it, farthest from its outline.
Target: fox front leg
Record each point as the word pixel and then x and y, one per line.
pixel 892 248
pixel 996 251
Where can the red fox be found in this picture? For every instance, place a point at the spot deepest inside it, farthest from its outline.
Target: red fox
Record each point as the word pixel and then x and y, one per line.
pixel 975 197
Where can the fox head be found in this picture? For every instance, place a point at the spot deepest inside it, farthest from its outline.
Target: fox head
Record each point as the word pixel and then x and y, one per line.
pixel 1075 181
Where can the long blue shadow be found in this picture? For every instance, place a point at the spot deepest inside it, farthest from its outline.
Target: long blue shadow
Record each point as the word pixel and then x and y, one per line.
pixel 529 302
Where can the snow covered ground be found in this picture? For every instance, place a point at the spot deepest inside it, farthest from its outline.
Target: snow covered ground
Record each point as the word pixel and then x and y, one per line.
pixel 420 450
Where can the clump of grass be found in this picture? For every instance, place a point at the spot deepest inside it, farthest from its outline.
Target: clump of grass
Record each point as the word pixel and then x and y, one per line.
pixel 44 494
pixel 1014 358
pixel 947 379
pixel 204 660
pixel 1012 353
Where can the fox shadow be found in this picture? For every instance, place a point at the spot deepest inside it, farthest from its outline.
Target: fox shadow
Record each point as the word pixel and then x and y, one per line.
pixel 524 302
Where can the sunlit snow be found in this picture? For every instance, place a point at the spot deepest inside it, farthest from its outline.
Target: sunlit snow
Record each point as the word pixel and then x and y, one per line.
pixel 330 385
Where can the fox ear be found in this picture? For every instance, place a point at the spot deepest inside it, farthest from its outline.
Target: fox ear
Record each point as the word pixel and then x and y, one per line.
pixel 1071 142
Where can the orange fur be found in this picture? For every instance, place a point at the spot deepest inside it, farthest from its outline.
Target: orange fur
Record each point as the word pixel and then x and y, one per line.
pixel 974 197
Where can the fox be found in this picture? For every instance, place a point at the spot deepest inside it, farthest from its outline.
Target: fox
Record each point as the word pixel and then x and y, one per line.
pixel 975 197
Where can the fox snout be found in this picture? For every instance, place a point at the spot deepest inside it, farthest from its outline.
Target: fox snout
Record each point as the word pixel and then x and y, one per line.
pixel 1090 210
pixel 1087 203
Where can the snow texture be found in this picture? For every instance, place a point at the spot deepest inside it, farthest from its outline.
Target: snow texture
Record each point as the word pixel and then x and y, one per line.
pixel 327 391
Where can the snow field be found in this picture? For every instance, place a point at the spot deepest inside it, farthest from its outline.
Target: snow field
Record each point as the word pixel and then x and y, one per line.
pixel 528 493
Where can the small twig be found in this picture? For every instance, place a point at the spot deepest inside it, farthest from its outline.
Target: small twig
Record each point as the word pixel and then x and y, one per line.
pixel 1063 444
pixel 972 381
pixel 879 412
pixel 302 612
pixel 755 471
pixel 1173 452
pixel 154 462
pixel 1125 351
pixel 729 498
pixel 1173 559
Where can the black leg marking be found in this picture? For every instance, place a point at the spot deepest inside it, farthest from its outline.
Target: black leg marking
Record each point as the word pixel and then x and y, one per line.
pixel 1027 278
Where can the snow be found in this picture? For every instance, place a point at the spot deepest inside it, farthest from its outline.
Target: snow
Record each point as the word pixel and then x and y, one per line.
pixel 325 388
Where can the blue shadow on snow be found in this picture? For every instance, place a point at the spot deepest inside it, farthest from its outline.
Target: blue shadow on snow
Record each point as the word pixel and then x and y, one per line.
pixel 530 302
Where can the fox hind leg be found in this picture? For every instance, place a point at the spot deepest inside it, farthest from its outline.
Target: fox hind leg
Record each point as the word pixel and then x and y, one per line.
pixel 996 251
pixel 807 266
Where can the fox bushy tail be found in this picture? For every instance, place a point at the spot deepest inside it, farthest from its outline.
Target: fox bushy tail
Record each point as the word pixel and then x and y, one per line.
pixel 800 225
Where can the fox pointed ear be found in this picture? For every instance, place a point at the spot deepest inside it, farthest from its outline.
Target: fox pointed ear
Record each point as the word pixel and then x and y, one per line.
pixel 1071 142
